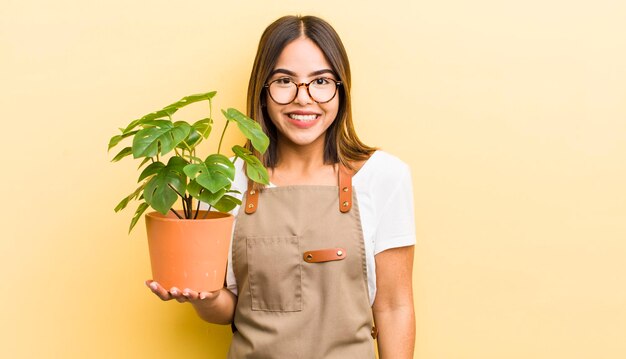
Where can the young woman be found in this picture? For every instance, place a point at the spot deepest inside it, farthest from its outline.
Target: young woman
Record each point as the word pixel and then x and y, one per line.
pixel 326 250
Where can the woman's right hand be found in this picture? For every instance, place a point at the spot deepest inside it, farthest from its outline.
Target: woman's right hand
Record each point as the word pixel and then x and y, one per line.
pixel 182 296
pixel 214 307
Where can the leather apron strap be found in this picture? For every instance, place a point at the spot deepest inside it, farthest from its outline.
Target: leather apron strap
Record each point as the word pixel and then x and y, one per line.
pixel 345 189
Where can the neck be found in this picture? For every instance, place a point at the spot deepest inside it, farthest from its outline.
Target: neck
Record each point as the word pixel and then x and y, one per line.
pixel 292 155
pixel 302 165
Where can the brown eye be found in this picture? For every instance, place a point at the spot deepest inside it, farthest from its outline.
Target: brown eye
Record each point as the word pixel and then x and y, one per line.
pixel 283 81
pixel 321 81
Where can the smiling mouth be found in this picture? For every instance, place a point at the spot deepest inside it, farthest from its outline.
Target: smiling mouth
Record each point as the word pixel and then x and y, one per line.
pixel 303 118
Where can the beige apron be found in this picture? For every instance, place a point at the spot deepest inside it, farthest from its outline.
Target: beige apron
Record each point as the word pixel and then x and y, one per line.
pixel 300 267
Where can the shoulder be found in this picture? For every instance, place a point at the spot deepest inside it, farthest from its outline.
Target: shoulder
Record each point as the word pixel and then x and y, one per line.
pixel 385 196
pixel 382 168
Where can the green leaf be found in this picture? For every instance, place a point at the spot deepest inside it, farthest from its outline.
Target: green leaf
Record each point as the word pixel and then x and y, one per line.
pixel 116 139
pixel 154 123
pixel 149 117
pixel 195 159
pixel 145 160
pixel 165 112
pixel 222 164
pixel 254 169
pixel 160 192
pixel 204 195
pixel 187 100
pixel 191 141
pixel 250 128
pixel 177 164
pixel 142 208
pixel 194 189
pixel 214 174
pixel 227 203
pixel 152 169
pixel 164 135
pixel 123 203
pixel 131 125
pixel 199 130
pixel 256 172
pixel 123 153
pixel 203 127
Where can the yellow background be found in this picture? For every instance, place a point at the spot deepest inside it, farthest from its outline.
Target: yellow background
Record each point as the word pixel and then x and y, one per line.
pixel 511 114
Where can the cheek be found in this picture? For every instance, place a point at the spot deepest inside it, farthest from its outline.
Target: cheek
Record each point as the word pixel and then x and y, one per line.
pixel 332 109
pixel 273 112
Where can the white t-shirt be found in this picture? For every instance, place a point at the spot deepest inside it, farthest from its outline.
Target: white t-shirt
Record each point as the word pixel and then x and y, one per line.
pixel 384 193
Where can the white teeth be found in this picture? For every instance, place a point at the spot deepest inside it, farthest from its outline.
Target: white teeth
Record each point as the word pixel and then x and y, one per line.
pixel 302 117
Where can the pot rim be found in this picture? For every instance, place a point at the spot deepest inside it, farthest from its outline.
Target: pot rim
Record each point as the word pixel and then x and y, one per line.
pixel 213 216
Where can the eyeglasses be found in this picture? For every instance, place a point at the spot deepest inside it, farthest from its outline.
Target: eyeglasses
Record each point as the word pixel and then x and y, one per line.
pixel 284 90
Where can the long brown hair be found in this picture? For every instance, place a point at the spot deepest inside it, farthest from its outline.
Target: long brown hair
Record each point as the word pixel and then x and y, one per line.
pixel 341 143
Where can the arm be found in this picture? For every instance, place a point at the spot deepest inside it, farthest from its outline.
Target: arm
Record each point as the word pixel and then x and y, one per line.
pixel 393 307
pixel 214 307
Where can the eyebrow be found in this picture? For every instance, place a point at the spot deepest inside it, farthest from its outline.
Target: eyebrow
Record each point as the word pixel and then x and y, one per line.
pixel 291 73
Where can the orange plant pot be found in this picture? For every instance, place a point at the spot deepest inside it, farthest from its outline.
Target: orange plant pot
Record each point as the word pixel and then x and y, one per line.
pixel 189 253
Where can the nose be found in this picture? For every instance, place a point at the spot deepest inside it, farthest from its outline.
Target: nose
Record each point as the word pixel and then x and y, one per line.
pixel 302 97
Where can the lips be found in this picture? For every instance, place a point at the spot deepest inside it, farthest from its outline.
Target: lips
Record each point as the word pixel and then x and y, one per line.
pixel 302 119
pixel 293 116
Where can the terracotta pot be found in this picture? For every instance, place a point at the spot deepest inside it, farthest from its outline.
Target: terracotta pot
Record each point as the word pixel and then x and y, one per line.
pixel 189 253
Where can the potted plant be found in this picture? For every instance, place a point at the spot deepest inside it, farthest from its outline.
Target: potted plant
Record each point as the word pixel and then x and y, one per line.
pixel 188 246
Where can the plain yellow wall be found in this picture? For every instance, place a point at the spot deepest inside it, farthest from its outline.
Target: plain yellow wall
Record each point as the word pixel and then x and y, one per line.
pixel 511 114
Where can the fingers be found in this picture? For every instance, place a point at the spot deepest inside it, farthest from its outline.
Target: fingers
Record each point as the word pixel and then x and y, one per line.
pixel 178 295
pixel 193 296
pixel 157 289
pixel 181 296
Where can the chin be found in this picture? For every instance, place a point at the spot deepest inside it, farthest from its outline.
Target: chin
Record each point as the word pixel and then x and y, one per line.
pixel 305 140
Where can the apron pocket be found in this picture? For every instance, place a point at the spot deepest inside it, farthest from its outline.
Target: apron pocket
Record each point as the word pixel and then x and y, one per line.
pixel 274 273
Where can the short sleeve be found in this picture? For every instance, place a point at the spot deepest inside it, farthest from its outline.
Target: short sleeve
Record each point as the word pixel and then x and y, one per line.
pixel 396 227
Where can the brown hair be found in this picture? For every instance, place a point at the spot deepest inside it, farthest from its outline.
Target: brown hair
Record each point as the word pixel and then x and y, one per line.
pixel 341 143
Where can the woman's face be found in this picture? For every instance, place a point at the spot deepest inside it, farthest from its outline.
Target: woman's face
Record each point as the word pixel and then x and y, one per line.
pixel 302 122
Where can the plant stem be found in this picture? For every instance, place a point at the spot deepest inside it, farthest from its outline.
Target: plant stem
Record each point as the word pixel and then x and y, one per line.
pixel 174 189
pixel 185 207
pixel 176 213
pixel 182 197
pixel 189 206
pixel 188 147
pixel 221 138
pixel 211 110
pixel 197 209
pixel 207 212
